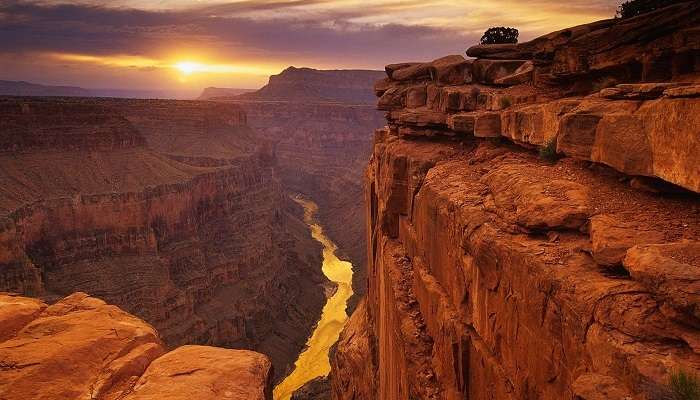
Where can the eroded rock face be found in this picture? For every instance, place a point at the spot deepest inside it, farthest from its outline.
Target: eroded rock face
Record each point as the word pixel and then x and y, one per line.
pixel 518 245
pixel 81 347
pixel 321 148
pixel 171 210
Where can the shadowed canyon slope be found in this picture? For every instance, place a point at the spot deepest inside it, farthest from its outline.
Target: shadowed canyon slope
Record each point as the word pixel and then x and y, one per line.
pixel 169 209
pixel 80 347
pixel 496 272
pixel 318 123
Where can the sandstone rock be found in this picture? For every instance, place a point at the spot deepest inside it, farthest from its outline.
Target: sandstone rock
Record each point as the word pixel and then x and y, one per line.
pixel 490 71
pixel 612 238
pixel 416 96
pixel 413 72
pixel 683 91
pixel 382 86
pixel 671 271
pixel 577 130
pixel 462 122
pixel 353 372
pixel 521 75
pixel 487 124
pixel 201 372
pixel 392 99
pixel 451 70
pixel 638 91
pixel 391 68
pixel 504 51
pixel 423 118
pixel 16 312
pixel 81 346
pixel 554 204
pixel 535 124
pixel 598 387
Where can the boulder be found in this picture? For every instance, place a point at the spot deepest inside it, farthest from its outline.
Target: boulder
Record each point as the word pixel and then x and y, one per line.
pixel 391 68
pixel 451 70
pixel 80 347
pixel 203 372
pixel 611 238
pixel 413 72
pixel 490 71
pixel 504 51
pixel 671 271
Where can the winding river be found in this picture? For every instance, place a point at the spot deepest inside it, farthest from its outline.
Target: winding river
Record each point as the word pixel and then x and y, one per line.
pixel 313 361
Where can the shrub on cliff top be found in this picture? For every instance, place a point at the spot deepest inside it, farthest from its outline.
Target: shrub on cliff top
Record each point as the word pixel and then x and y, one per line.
pixel 500 35
pixel 632 8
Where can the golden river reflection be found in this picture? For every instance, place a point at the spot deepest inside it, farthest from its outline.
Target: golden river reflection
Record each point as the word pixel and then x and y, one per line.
pixel 313 361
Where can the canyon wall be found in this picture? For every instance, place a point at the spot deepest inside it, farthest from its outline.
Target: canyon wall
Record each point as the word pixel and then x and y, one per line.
pixel 533 220
pixel 169 209
pixel 81 347
pixel 317 123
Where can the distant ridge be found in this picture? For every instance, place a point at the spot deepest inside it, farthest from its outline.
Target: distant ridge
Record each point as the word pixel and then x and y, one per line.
pixel 23 88
pixel 214 92
pixel 312 85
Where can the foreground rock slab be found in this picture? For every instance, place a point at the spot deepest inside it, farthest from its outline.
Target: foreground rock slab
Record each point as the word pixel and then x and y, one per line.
pixel 83 348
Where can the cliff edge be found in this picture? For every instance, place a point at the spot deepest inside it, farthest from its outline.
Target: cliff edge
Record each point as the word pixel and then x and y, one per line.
pixel 534 220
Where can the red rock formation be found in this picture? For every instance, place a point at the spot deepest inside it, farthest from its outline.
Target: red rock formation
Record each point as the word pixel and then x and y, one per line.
pixel 81 347
pixel 168 209
pixel 498 273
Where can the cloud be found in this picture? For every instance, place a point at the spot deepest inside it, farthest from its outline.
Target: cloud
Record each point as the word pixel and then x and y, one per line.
pixel 274 33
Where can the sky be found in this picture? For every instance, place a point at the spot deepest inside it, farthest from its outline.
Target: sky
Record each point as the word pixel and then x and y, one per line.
pixel 190 44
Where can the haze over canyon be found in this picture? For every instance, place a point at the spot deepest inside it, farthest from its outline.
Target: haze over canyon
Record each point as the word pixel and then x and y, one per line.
pixel 186 215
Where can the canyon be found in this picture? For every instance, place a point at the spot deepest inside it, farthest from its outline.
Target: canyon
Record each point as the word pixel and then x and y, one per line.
pixel 168 209
pixel 318 123
pixel 533 220
pixel 525 225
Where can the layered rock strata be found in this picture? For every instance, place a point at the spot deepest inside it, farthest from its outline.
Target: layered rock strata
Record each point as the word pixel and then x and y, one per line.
pixel 167 209
pixel 317 122
pixel 496 272
pixel 81 347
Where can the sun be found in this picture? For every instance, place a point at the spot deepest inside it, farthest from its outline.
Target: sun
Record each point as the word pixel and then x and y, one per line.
pixel 189 67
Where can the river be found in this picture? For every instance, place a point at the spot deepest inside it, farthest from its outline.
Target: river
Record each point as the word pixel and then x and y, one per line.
pixel 313 361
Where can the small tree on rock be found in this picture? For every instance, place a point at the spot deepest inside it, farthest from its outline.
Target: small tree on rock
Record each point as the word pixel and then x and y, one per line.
pixel 632 8
pixel 499 35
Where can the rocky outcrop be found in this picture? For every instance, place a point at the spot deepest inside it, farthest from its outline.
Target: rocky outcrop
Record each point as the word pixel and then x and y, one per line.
pixel 322 147
pixel 315 389
pixel 168 209
pixel 81 347
pixel 499 273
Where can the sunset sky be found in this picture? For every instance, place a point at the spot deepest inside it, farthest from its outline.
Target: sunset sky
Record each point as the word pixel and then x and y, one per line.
pixel 190 44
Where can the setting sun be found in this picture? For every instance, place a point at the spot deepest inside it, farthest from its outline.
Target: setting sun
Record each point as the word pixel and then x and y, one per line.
pixel 188 67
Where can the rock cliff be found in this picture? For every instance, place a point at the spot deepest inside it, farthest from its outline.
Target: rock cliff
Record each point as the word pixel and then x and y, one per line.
pixel 496 272
pixel 317 123
pixel 168 209
pixel 81 347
